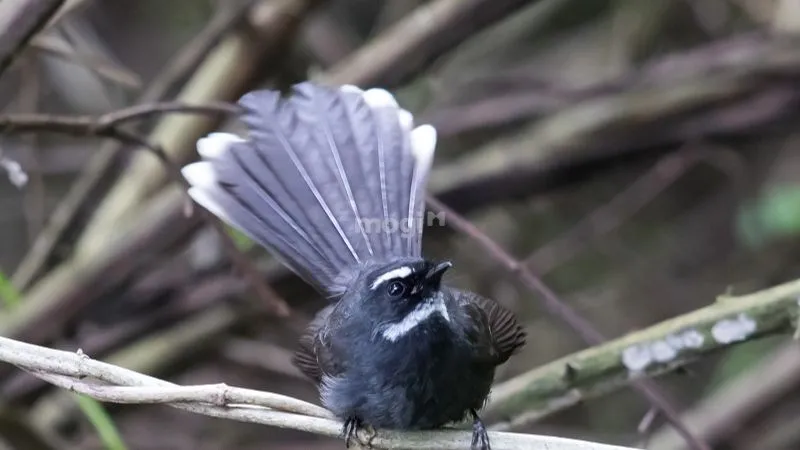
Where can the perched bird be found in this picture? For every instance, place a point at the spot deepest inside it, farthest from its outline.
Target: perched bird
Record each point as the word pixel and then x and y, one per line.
pixel 332 181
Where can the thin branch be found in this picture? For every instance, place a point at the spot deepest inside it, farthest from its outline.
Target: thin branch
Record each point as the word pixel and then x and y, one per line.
pixel 108 125
pixel 58 298
pixel 105 124
pixel 611 215
pixel 561 310
pixel 99 168
pixel 95 63
pixel 645 353
pixel 20 20
pixel 71 370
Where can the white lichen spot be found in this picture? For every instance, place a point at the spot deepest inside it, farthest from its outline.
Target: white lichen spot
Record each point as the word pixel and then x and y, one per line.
pixel 663 352
pixel 16 175
pixel 636 357
pixel 674 340
pixel 733 330
pixel 692 339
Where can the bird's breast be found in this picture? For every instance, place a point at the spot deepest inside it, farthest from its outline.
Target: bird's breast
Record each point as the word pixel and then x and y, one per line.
pixel 423 380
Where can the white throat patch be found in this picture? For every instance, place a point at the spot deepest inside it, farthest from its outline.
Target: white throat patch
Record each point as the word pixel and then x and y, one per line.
pixel 421 313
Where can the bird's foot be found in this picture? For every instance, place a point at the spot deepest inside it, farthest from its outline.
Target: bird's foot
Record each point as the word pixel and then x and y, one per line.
pixel 350 430
pixel 480 437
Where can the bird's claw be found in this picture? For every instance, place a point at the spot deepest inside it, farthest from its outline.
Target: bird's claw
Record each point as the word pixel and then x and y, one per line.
pixel 480 437
pixel 350 430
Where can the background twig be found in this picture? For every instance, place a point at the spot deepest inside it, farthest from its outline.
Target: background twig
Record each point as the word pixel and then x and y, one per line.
pixel 19 22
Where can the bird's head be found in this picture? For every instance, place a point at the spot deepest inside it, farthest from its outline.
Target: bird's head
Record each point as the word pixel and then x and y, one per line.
pixel 400 296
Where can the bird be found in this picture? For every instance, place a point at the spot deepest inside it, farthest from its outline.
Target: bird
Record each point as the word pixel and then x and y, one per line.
pixel 331 180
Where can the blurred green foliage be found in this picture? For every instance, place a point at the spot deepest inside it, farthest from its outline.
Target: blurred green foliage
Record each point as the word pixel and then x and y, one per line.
pixel 8 294
pixel 243 243
pixel 773 215
pixel 102 422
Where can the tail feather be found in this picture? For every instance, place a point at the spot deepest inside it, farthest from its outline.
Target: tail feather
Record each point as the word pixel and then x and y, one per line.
pixel 292 172
pixel 371 191
pixel 423 145
pixel 329 180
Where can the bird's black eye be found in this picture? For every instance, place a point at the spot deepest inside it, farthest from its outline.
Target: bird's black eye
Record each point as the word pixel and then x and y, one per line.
pixel 396 288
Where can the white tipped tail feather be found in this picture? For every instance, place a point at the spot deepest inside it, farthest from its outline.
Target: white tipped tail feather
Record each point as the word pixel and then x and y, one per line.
pixel 327 179
pixel 216 144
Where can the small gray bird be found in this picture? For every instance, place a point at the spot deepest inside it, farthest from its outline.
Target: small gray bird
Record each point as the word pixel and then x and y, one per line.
pixel 332 182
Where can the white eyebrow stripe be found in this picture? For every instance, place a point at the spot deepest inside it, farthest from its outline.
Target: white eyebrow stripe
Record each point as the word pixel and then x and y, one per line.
pixel 422 312
pixel 400 272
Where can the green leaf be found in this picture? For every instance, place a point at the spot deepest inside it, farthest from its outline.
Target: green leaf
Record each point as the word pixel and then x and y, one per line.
pixel 774 215
pixel 8 293
pixel 243 243
pixel 99 418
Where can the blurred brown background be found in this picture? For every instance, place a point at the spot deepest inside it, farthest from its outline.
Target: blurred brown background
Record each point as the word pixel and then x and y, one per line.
pixel 641 156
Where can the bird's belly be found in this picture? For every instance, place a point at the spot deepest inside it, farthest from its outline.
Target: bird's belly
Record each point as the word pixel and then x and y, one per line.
pixel 427 383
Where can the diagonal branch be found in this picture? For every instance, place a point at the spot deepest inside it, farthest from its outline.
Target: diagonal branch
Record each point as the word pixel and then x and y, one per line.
pixel 648 352
pixel 100 168
pixel 562 310
pixel 426 33
pixel 20 20
pixel 108 125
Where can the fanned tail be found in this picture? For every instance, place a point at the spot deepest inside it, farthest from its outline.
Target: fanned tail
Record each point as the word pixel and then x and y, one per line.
pixel 329 180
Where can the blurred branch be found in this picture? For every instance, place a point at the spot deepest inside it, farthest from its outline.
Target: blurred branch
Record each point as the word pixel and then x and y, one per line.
pixel 20 20
pixel 718 416
pixel 663 174
pixel 58 298
pixel 729 87
pixel 327 39
pixel 97 173
pixel 665 85
pixel 648 352
pixel 19 433
pixel 104 68
pixel 787 17
pixel 224 75
pixel 561 310
pixel 612 214
pixel 71 371
pixel 426 33
pixel 103 259
pixel 70 6
pixel 105 125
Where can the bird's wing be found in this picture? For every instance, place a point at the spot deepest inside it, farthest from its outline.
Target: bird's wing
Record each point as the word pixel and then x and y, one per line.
pixel 323 178
pixel 312 356
pixel 493 331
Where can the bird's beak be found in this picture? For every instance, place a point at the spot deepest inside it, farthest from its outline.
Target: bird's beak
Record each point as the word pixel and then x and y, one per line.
pixel 434 276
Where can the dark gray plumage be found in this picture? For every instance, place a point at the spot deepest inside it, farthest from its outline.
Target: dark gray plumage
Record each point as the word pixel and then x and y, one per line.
pixel 332 181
